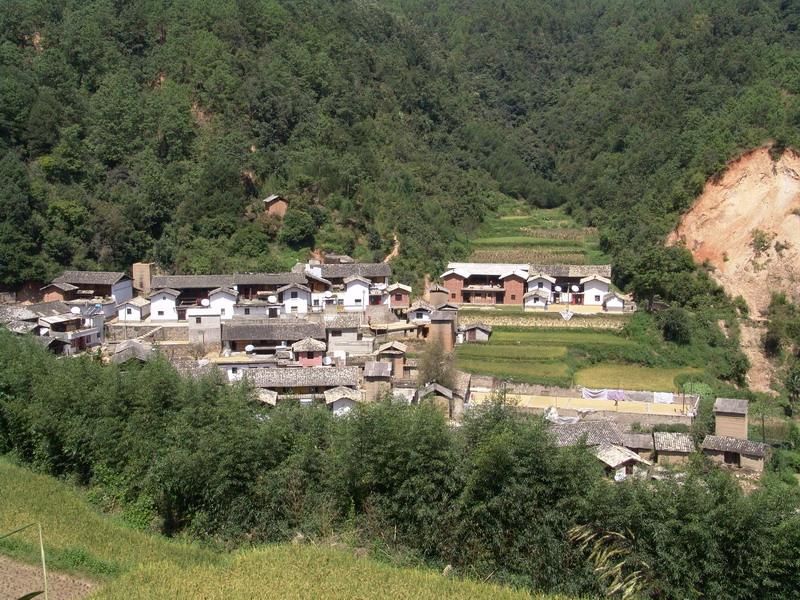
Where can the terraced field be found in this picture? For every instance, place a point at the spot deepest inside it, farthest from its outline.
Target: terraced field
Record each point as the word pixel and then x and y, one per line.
pixel 519 233
pixel 567 357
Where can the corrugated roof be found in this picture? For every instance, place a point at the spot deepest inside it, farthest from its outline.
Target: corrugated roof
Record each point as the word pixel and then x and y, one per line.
pixel 374 368
pixel 290 331
pixel 90 277
pixel 591 433
pixel 340 271
pixel 673 442
pixel 729 444
pixel 282 377
pixel 734 406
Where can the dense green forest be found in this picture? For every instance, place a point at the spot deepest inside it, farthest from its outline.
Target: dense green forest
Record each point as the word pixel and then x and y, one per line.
pixel 150 130
pixel 494 498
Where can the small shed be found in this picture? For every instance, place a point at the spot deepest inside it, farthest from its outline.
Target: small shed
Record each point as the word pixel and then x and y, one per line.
pixel 441 396
pixel 641 443
pixel 341 400
pixel 730 418
pixel 276 205
pixel 477 332
pixel 672 448
pixel 536 299
pixel 735 453
pixel 309 352
pixel 618 461
pixel 377 379
pixel 613 302
pixel 399 296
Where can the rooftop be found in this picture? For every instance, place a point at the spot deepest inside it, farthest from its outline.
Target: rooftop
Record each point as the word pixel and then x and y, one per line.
pixel 279 330
pixel 436 388
pixel 309 345
pixel 615 456
pixel 90 277
pixel 729 444
pixel 340 271
pixel 136 301
pixel 292 377
pixel 572 270
pixel 374 368
pixel 592 433
pixel 642 441
pixel 731 405
pixel 673 442
pixel 392 347
pixel 339 393
pixel 344 321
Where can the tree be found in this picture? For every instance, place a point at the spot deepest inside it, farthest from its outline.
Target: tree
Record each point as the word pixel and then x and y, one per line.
pixel 676 325
pixel 298 228
pixel 436 365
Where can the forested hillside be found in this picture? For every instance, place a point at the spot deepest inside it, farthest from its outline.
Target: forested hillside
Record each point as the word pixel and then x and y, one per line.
pixel 150 130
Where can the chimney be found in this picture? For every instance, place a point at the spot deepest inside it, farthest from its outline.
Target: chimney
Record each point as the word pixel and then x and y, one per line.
pixel 142 275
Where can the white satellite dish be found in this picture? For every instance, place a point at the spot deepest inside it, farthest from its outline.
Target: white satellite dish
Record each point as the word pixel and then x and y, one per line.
pixel 249 348
pixel 272 299
pixel 328 294
pixel 558 288
pixel 205 302
pixel 327 361
pixel 575 288
pixel 75 310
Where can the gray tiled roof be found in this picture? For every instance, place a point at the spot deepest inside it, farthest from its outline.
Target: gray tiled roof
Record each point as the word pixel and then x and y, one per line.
pixel 340 392
pixel 289 330
pixel 571 270
pixel 17 312
pixel 345 321
pixel 179 282
pixel 272 279
pixel 638 440
pixel 90 277
pixel 65 287
pixel 49 309
pixel 374 368
pixel 729 444
pixel 309 345
pixel 731 405
pixel 591 432
pixel 436 388
pixel 340 271
pixel 481 326
pixel 285 377
pixel 20 327
pixel 293 286
pixel 443 315
pixel 673 442
pixel 170 291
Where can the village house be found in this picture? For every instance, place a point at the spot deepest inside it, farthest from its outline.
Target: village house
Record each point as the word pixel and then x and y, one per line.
pixel 304 384
pixel 419 312
pixel 135 310
pixel 345 333
pixel 393 353
pixel 295 298
pixel 399 296
pixel 730 418
pixel 729 444
pixel 442 328
pixel 190 291
pixel 163 305
pixel 276 204
pixel 257 309
pixel 377 379
pixel 641 443
pixel 614 302
pixel 438 294
pixel 204 325
pixel 588 433
pixel 341 400
pixel 71 285
pixel 376 273
pixel 76 331
pixel 618 461
pixel 268 337
pixel 356 292
pixel 672 448
pixel 485 283
pixel 440 395
pixel 308 352
pixel 223 300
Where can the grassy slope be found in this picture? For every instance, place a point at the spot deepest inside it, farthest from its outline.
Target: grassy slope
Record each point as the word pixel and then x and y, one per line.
pixel 133 564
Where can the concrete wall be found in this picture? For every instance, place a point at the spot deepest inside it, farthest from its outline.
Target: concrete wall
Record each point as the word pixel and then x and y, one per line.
pixel 356 296
pixel 546 286
pixel 731 425
pixel 223 303
pixel 314 361
pixel 376 388
pixel 350 343
pixel 165 304
pixel 443 333
pixel 593 292
pixel 298 305
pixel 142 275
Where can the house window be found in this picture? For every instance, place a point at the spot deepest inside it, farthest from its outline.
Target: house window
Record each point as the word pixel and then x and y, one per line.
pixel 128 311
pixel 247 311
pixel 316 301
pixel 398 297
pixel 309 355
pixel 161 313
pixel 235 370
pixel 540 284
pixel 453 296
pixel 513 296
pixel 358 300
pixel 294 309
pixel 294 294
pixel 198 320
pixel 597 298
pixel 222 311
pixel 336 333
pixel 419 315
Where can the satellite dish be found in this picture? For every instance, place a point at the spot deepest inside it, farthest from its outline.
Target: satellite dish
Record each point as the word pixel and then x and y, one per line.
pixel 558 288
pixel 328 294
pixel 575 288
pixel 327 361
pixel 272 299
pixel 75 310
pixel 205 302
pixel 249 348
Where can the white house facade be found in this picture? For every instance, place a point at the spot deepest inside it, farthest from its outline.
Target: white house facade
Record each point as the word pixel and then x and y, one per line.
pixel 134 310
pixel 595 287
pixel 295 298
pixel 356 293
pixel 163 305
pixel 223 301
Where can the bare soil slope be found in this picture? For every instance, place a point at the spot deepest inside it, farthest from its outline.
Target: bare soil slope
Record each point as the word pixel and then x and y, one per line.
pixel 746 224
pixel 754 194
pixel 18 579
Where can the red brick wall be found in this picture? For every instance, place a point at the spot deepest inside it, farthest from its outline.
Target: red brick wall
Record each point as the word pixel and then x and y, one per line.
pixel 482 298
pixel 403 301
pixel 54 296
pixel 514 286
pixel 454 284
pixel 315 361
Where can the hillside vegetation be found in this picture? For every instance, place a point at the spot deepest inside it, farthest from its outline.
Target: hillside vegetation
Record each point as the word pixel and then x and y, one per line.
pixel 150 130
pixel 132 564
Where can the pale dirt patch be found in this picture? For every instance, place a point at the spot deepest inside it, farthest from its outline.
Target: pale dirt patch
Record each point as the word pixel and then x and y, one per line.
pixel 18 579
pixel 395 250
pixel 754 193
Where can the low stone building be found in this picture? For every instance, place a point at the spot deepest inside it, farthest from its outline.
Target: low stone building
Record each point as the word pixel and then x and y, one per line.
pixel 307 384
pixel 377 379
pixel 736 453
pixel 341 400
pixel 476 332
pixel 641 443
pixel 672 448
pixel 618 461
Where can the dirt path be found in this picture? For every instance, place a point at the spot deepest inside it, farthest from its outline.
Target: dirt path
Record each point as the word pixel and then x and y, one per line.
pixel 395 250
pixel 18 579
pixel 761 370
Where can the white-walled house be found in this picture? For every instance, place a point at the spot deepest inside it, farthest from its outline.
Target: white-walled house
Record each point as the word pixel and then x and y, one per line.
pixel 595 287
pixel 419 312
pixel 223 300
pixel 163 305
pixel 613 302
pixel 541 283
pixel 257 308
pixel 537 299
pixel 295 298
pixel 134 310
pixel 356 292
